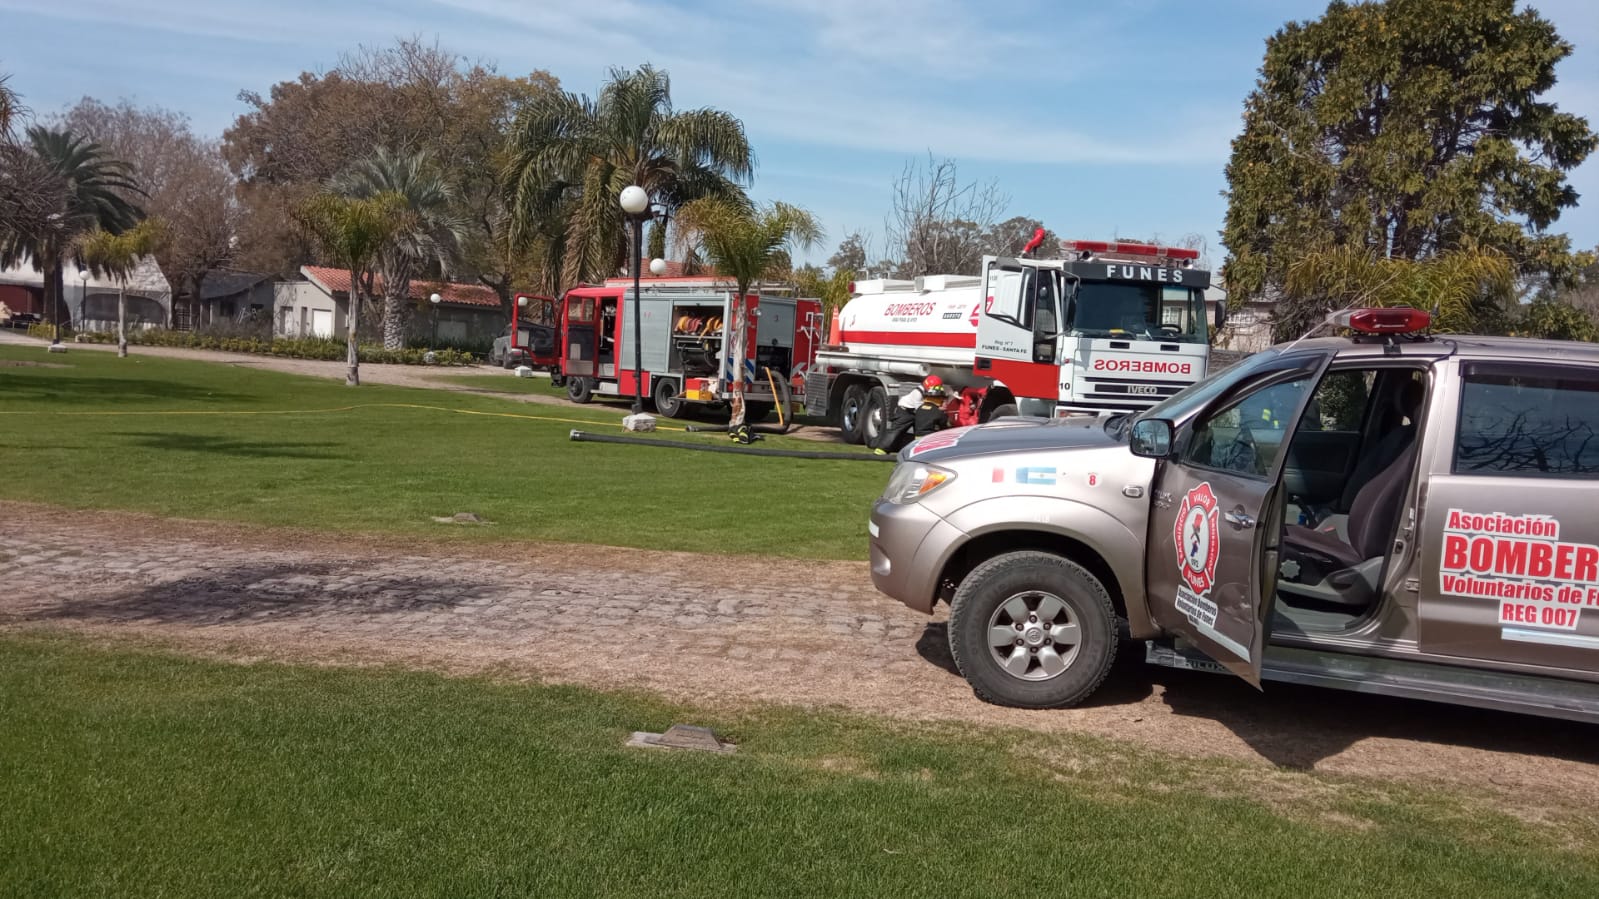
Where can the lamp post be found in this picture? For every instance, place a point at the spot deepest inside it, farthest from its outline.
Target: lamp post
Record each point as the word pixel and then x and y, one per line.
pixel 636 204
pixel 83 303
pixel 435 300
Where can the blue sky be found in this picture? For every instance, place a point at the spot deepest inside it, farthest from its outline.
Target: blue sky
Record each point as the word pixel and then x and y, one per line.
pixel 1102 120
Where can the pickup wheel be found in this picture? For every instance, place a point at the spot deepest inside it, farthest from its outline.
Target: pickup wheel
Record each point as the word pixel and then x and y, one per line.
pixel 1032 630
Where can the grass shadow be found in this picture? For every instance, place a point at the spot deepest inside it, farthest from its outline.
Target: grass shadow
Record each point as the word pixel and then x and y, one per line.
pixel 199 443
pixel 93 390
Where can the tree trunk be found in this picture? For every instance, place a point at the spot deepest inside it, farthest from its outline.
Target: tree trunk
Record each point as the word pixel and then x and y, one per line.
pixel 740 330
pixel 122 319
pixel 393 318
pixel 352 377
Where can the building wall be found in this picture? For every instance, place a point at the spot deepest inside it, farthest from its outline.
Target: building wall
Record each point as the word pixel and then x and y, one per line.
pixel 301 309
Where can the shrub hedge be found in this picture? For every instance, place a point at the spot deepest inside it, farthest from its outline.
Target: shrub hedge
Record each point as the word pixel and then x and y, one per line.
pixel 324 348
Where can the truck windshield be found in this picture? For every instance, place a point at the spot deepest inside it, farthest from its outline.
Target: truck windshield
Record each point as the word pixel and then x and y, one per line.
pixel 1139 311
pixel 1183 403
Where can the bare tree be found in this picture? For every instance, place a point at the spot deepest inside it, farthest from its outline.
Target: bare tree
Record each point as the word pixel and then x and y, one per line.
pixel 186 180
pixel 938 223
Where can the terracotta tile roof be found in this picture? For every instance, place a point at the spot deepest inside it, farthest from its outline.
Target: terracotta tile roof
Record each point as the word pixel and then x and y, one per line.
pixel 334 280
pixel 674 269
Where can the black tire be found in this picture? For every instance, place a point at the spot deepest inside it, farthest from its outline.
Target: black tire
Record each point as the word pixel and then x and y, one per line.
pixel 580 390
pixel 876 418
pixel 1008 410
pixel 1022 574
pixel 754 413
pixel 667 402
pixel 852 414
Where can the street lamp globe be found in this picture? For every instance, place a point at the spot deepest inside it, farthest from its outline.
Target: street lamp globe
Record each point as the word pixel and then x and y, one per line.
pixel 657 267
pixel 83 275
pixel 634 200
pixel 435 299
pixel 521 301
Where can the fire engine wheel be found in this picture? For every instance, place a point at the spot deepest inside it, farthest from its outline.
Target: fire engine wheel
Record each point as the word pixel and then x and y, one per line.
pixel 757 412
pixel 1008 410
pixel 876 415
pixel 667 402
pixel 852 414
pixel 1032 630
pixel 580 390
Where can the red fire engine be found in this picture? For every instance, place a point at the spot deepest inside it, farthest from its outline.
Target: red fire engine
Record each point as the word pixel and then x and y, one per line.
pixel 687 343
pixel 531 339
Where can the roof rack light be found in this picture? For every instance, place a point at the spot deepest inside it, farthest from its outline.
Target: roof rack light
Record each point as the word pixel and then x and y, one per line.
pixel 1395 320
pixel 1086 250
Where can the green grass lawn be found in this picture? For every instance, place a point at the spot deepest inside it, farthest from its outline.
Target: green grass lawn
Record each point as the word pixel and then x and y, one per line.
pixel 88 435
pixel 131 773
pixel 509 383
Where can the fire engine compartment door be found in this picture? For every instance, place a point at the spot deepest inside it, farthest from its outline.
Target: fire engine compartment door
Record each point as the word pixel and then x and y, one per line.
pixel 582 337
pixel 1215 521
pixel 656 334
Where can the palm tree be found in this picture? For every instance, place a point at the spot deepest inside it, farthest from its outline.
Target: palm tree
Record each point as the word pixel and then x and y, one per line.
pixel 1466 288
pixel 743 244
pixel 117 255
pixel 571 157
pixel 95 195
pixel 353 232
pixel 433 234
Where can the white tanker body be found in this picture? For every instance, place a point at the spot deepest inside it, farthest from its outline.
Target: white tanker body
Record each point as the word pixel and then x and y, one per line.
pixel 894 333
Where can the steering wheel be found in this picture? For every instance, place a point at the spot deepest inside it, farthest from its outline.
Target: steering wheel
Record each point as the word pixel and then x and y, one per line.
pixel 1172 329
pixel 1242 454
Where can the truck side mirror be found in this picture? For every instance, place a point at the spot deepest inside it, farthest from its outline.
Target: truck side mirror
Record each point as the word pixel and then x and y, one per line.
pixel 1221 315
pixel 1151 437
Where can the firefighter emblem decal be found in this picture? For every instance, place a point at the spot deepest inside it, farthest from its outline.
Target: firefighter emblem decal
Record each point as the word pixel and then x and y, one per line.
pixel 1198 538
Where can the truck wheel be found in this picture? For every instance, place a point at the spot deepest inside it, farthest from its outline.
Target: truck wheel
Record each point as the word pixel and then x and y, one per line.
pixel 876 415
pixel 1008 410
pixel 580 390
pixel 667 402
pixel 754 413
pixel 852 414
pixel 1032 630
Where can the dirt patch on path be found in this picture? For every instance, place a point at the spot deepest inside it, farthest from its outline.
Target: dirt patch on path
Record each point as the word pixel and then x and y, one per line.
pixel 703 629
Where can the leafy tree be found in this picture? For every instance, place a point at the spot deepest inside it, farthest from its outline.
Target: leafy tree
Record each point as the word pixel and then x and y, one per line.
pixel 32 193
pixel 1468 289
pixel 1008 237
pixel 352 232
pixel 95 195
pixel 411 97
pixel 850 255
pixel 185 183
pixel 117 256
pixel 432 234
pixel 743 244
pixel 571 156
pixel 1403 129
pixel 1556 320
pixel 832 288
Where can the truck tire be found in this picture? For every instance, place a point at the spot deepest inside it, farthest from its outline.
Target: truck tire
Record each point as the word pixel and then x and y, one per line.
pixel 875 418
pixel 757 412
pixel 852 414
pixel 1008 410
pixel 580 390
pixel 1019 593
pixel 667 402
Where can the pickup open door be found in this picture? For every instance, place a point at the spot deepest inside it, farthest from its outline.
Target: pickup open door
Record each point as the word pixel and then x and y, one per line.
pixel 1216 512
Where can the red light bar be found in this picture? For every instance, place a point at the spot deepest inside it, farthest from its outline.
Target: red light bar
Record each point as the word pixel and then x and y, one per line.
pixel 1398 320
pixel 1128 249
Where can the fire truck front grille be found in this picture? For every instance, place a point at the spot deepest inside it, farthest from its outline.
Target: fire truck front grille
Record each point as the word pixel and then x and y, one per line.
pixel 1109 394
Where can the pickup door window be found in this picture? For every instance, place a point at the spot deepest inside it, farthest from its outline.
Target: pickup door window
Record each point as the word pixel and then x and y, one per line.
pixel 1215 521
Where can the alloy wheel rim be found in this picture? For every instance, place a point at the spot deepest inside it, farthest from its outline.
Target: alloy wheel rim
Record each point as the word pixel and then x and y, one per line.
pixel 1034 636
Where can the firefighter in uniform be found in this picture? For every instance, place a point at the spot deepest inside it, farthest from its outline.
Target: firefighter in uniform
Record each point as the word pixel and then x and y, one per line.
pixel 924 415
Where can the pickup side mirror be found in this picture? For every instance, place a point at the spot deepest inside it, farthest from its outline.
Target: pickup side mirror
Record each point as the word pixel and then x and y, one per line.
pixel 1151 437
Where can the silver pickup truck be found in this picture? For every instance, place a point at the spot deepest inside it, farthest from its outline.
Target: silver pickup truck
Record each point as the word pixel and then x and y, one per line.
pixel 1390 512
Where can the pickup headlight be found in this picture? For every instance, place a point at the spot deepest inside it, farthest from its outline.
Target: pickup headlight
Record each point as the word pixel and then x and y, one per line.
pixel 913 480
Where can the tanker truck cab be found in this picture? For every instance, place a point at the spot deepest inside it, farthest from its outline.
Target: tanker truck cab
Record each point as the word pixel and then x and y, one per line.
pixel 1388 513
pixel 1108 327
